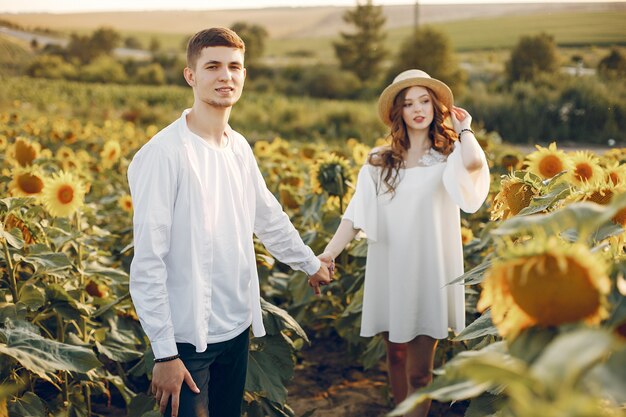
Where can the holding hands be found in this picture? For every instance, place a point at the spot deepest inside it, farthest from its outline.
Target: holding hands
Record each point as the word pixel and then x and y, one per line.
pixel 324 275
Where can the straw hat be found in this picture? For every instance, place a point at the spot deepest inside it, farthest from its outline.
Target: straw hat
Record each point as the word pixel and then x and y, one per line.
pixel 412 78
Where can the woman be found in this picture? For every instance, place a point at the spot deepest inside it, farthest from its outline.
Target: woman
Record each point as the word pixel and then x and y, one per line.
pixel 407 202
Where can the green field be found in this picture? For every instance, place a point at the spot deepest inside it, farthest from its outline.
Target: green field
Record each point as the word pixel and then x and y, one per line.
pixel 569 29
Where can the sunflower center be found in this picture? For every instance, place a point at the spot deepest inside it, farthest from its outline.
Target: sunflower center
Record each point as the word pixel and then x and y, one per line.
pixel 30 184
pixel 24 153
pixel 614 178
pixel 601 197
pixel 509 161
pixel 583 172
pixel 65 194
pixel 550 165
pixel 554 291
pixel 518 197
pixel 620 217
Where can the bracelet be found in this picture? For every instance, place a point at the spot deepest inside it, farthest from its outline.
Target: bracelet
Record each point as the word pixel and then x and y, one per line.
pixel 167 358
pixel 466 130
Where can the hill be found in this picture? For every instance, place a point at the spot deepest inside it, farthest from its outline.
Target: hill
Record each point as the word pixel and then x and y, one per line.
pixel 289 22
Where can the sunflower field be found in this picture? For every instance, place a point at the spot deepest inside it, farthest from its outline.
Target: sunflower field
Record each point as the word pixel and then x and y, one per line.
pixel 545 261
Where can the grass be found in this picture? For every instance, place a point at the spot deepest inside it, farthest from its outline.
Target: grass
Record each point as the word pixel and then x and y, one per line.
pixel 568 29
pixel 13 54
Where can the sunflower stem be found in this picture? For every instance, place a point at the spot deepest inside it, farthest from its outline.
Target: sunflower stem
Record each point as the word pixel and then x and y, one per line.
pixel 10 270
pixel 81 277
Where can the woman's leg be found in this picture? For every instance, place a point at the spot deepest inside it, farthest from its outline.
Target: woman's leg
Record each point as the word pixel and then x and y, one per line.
pixel 419 369
pixel 396 369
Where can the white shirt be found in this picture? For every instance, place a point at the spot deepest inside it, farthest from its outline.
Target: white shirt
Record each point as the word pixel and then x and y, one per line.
pixel 186 240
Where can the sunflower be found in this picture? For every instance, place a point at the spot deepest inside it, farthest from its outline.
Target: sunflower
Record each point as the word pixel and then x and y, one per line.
pixel 466 235
pixel 514 196
pixel 289 196
pixel 331 173
pixel 11 222
pixel 65 153
pixel 125 202
pixel 261 148
pixel 547 162
pixel 63 194
pixel 511 161
pixel 111 153
pixel 26 182
pixel 280 147
pixel 4 142
pixel 545 282
pixel 615 173
pixel 24 151
pixel 308 152
pixel 585 167
pixel 360 153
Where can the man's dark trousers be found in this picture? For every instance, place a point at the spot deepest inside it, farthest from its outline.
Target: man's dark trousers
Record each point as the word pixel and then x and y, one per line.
pixel 220 374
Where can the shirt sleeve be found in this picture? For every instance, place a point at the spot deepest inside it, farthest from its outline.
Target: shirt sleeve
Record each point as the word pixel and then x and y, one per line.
pixel 363 207
pixel 274 229
pixel 467 189
pixel 152 181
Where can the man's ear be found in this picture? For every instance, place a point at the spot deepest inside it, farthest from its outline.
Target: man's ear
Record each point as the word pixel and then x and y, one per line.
pixel 190 77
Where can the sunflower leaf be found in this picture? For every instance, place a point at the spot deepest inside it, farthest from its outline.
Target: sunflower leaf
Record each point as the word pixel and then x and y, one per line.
pixel 482 326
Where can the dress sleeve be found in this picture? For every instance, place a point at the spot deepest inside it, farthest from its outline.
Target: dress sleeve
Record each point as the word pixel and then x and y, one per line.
pixel 468 190
pixel 362 209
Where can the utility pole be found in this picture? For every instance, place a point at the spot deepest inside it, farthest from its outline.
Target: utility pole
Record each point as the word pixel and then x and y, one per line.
pixel 416 17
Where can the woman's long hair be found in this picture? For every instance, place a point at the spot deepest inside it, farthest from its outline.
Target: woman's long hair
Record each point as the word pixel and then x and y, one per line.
pixel 391 158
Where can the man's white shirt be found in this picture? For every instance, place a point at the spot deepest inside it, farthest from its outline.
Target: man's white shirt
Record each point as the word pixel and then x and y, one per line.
pixel 193 278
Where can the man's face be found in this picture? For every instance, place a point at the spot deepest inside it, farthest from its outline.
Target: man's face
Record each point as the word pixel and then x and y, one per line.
pixel 218 76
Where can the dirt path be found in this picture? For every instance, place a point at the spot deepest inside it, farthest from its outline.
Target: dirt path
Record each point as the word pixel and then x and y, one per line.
pixel 328 383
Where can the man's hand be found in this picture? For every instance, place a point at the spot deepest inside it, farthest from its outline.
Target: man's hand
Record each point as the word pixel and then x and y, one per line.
pixel 167 379
pixel 324 275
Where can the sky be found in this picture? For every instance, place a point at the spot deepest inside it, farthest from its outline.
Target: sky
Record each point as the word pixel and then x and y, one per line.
pixel 62 6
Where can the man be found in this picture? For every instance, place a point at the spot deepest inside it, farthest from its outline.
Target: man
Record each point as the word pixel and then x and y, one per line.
pixel 198 198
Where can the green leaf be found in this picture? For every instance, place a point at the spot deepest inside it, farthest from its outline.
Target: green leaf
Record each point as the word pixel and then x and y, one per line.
pixel 569 356
pixel 485 405
pixel 29 405
pixel 43 356
pixel 116 275
pixel 45 261
pixel 441 390
pixel 609 378
pixel 13 238
pixel 32 296
pixel 140 405
pixel 12 311
pixel 585 217
pixel 480 327
pixel 63 303
pixel 270 366
pixel 530 343
pixel 118 351
pixel 475 275
pixel 374 352
pixel 276 319
pixel 541 203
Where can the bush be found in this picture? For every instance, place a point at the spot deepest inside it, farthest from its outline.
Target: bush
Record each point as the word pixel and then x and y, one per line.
pixel 51 66
pixel 329 82
pixel 613 66
pixel 430 50
pixel 103 69
pixel 150 74
pixel 532 56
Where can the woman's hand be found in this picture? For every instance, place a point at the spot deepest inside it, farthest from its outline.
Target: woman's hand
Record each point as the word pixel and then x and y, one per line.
pixel 461 119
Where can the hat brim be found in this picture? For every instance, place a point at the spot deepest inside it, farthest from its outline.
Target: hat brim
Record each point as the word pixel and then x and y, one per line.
pixel 385 101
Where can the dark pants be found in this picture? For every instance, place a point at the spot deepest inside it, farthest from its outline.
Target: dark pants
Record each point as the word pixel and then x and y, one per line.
pixel 220 374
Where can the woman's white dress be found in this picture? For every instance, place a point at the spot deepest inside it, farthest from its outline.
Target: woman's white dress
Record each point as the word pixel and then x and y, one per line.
pixel 414 245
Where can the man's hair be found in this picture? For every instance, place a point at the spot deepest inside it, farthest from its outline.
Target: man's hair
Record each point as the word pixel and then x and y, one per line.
pixel 212 37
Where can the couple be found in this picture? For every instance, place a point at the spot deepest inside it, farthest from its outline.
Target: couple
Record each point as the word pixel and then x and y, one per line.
pixel 199 197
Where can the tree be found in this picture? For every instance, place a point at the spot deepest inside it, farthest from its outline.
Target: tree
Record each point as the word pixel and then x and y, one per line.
pixel 363 51
pixel 613 66
pixel 105 40
pixel 155 45
pixel 254 36
pixel 430 50
pixel 131 42
pixel 87 48
pixel 532 56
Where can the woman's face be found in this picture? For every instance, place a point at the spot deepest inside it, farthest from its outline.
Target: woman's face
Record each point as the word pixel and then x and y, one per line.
pixel 417 110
